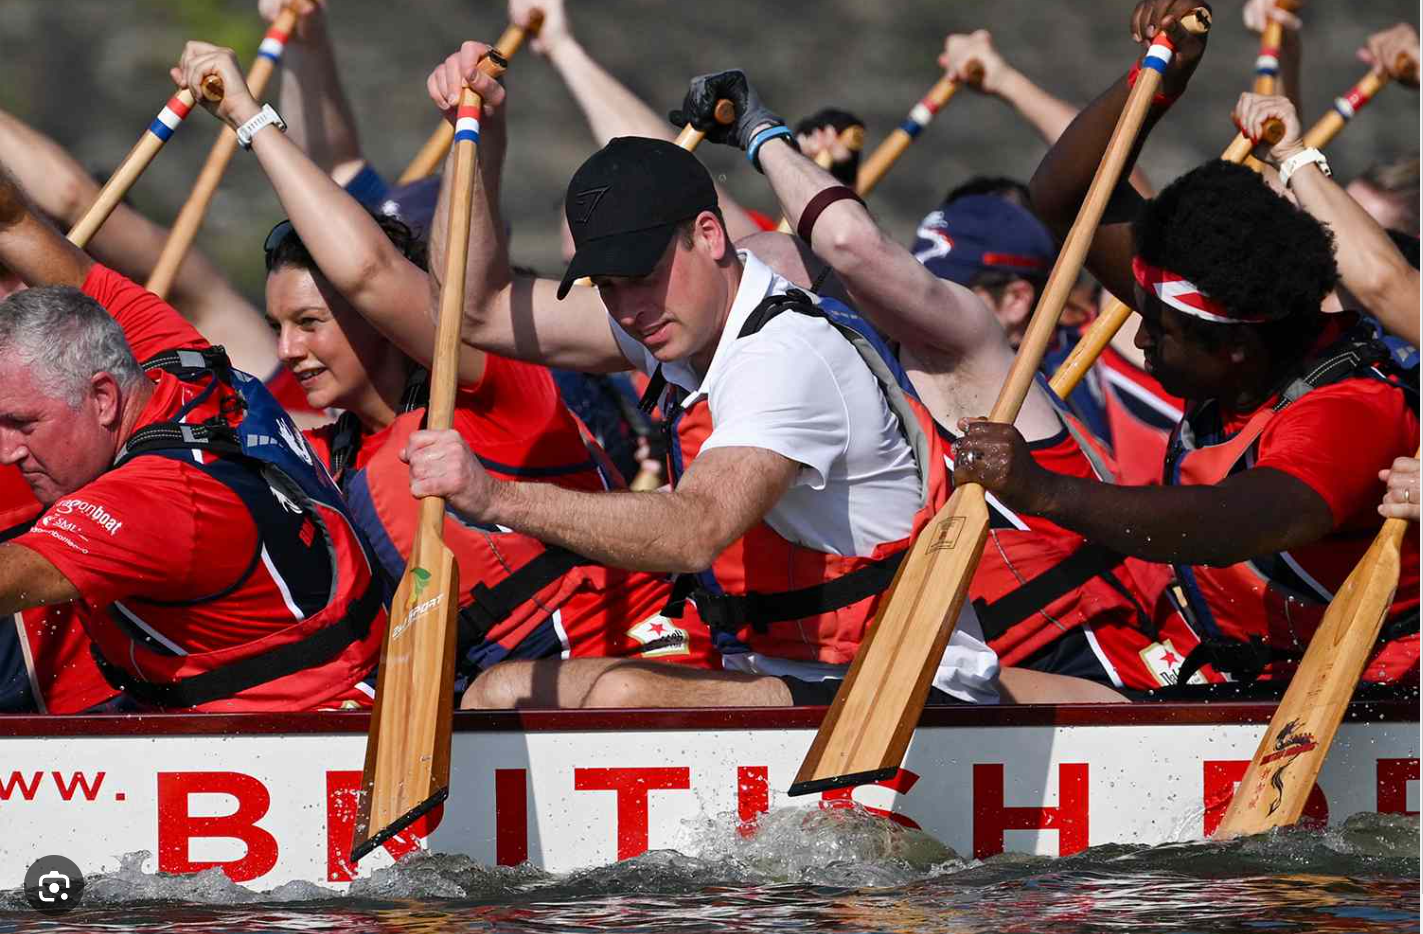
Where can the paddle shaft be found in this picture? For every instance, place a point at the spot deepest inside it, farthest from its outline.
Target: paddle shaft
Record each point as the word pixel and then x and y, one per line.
pixel 1267 65
pixel 432 154
pixel 142 153
pixel 852 139
pixel 1100 333
pixel 1283 770
pixel 889 151
pixel 407 770
pixel 1344 109
pixel 865 733
pixel 190 218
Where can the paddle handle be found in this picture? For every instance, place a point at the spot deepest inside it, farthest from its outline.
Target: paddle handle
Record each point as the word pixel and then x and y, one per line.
pixel 1074 250
pixel 142 153
pixel 190 218
pixel 889 151
pixel 691 137
pixel 433 153
pixel 1354 100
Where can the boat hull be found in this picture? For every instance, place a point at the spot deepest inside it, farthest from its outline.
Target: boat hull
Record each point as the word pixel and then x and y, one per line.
pixel 271 799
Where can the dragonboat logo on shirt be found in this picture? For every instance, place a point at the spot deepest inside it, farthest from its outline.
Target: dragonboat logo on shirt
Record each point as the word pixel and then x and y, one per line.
pixel 96 514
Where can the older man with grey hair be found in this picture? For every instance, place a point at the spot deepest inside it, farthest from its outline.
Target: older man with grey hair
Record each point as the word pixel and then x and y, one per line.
pixel 207 555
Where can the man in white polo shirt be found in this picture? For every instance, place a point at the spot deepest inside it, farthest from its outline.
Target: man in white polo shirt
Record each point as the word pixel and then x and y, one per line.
pixel 801 467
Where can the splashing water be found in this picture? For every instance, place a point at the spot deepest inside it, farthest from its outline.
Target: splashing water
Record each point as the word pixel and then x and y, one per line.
pixel 829 870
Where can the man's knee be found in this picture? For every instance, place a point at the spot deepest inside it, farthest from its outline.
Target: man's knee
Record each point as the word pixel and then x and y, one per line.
pixel 499 687
pixel 626 687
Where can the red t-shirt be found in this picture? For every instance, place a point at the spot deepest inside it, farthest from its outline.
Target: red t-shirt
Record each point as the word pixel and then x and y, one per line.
pixel 17 504
pixel 1336 439
pixel 156 528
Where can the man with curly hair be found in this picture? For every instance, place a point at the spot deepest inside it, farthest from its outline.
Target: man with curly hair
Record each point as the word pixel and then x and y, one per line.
pixel 1272 477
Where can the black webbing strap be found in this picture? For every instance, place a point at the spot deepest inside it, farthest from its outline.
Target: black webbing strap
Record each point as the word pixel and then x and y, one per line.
pixel 235 677
pixel 731 612
pixel 1061 579
pixel 490 606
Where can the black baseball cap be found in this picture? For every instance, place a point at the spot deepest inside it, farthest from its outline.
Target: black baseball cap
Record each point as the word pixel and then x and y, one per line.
pixel 625 202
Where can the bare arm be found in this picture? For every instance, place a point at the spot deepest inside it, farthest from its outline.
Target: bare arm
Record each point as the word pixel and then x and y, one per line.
pixel 610 108
pixel 33 249
pixel 724 492
pixel 342 237
pixel 1048 115
pixel 28 580
pixel 313 103
pixel 131 244
pixel 1254 512
pixel 1370 266
pixel 515 317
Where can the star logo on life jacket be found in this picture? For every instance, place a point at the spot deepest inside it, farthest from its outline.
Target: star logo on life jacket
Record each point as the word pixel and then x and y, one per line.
pixel 660 637
pixel 297 444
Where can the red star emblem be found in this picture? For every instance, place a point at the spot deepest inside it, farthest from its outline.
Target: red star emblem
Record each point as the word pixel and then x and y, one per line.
pixel 657 628
pixel 1169 658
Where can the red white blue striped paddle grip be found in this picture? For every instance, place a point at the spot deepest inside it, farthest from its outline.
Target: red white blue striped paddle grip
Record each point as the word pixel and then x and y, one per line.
pixel 158 133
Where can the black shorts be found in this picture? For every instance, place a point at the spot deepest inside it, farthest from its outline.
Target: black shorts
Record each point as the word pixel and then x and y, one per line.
pixel 821 693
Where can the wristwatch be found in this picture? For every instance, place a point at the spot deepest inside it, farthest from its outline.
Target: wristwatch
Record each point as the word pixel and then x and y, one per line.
pixel 265 117
pixel 1299 160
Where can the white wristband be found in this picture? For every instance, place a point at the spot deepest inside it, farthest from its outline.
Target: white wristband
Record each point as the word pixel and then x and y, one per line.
pixel 265 117
pixel 1299 160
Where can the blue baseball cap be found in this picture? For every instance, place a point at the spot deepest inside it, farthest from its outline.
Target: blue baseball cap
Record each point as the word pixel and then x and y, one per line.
pixel 978 233
pixel 413 204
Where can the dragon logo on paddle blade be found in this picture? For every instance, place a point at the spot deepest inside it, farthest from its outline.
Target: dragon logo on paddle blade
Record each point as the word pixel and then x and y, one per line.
pixel 1288 745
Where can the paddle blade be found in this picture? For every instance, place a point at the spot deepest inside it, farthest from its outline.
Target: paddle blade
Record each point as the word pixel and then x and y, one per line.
pixel 866 731
pixel 1281 775
pixel 407 770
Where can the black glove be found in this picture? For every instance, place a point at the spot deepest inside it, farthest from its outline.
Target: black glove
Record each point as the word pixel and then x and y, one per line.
pixel 699 106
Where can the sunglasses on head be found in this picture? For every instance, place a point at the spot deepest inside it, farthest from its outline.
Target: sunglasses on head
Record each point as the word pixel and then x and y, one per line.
pixel 274 240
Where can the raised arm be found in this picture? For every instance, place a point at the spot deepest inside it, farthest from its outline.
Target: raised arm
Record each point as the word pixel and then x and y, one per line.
pixel 1048 115
pixel 512 316
pixel 610 108
pixel 131 244
pixel 344 240
pixel 1370 266
pixel 313 103
pixel 30 247
pixel 1258 14
pixel 1060 184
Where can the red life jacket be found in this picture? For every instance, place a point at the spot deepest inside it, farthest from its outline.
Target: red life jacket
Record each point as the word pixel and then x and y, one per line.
pixel 764 593
pixel 1272 597
pixel 1140 416
pixel 1038 581
pixel 519 598
pixel 239 435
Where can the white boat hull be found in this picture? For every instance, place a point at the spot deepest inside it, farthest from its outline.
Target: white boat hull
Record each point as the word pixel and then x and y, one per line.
pixel 271 799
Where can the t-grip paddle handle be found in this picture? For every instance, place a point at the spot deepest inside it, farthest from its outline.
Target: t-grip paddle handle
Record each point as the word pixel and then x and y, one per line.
pixel 1354 100
pixel 690 137
pixel 428 159
pixel 894 145
pixel 142 153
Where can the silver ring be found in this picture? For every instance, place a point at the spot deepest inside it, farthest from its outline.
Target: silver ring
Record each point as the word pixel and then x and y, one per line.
pixel 1407 495
pixel 968 459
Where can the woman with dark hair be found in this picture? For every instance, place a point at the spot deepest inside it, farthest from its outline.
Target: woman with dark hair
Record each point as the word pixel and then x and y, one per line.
pixel 350 301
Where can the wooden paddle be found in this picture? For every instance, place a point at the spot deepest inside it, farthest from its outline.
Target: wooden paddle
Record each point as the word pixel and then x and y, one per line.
pixel 1344 109
pixel 853 139
pixel 432 154
pixel 888 152
pixel 1292 751
pixel 407 770
pixel 142 153
pixel 190 218
pixel 866 731
pixel 689 139
pixel 1267 65
pixel 1100 333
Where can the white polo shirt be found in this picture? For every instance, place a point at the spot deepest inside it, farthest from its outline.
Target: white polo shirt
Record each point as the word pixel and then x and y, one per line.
pixel 799 388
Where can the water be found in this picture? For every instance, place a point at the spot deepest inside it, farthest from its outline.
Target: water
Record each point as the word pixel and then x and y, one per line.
pixel 826 871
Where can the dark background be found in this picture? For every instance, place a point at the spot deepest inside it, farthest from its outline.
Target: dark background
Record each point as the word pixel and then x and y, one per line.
pixel 92 73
